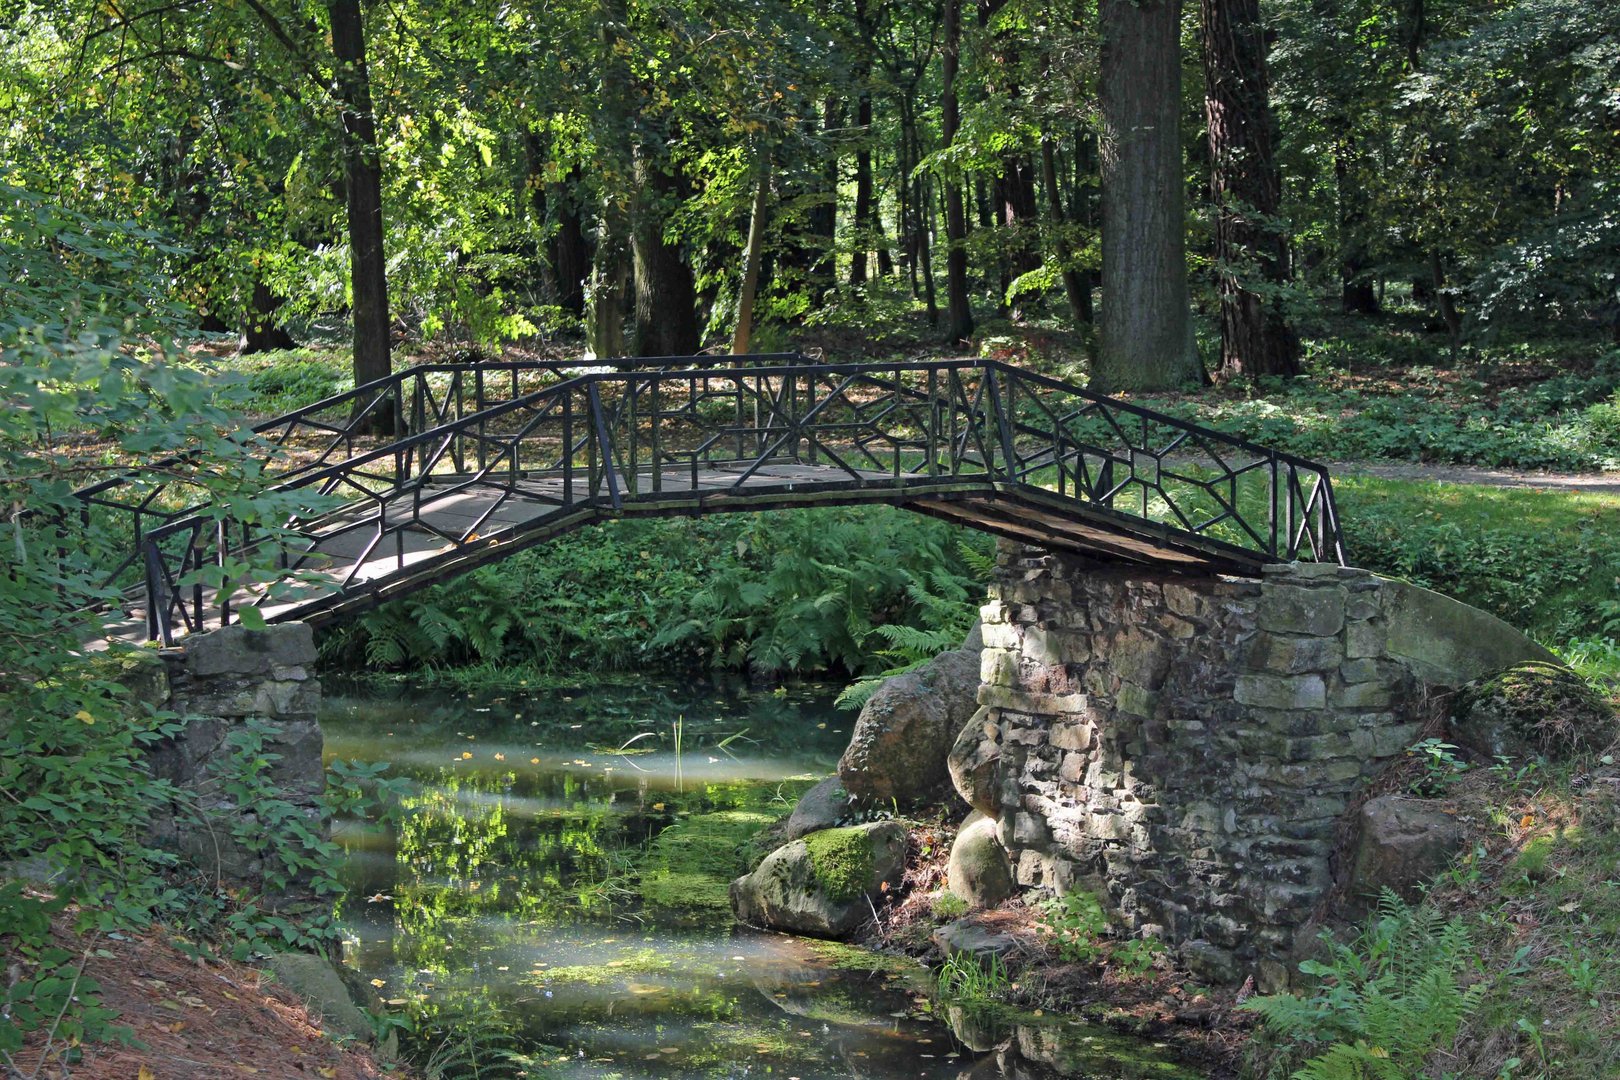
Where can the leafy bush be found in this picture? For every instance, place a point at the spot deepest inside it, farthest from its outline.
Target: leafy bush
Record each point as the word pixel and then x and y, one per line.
pixel 799 591
pixel 1077 924
pixel 1388 1000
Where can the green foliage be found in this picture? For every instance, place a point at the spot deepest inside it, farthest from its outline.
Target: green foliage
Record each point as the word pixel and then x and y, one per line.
pixel 1077 925
pixel 1544 561
pixel 1567 421
pixel 947 905
pixel 1440 768
pixel 1136 957
pixel 1388 999
pixel 799 591
pixel 842 862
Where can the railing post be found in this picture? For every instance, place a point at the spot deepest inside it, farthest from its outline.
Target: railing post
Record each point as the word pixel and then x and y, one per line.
pixel 157 602
pixel 606 444
pixel 568 448
pixel 631 391
pixel 653 385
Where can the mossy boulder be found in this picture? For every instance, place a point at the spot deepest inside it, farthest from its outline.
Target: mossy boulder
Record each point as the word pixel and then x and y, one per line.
pixel 979 870
pixel 1533 709
pixel 821 885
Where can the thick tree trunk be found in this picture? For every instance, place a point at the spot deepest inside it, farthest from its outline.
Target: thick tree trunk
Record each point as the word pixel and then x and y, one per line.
pixel 362 183
pixel 959 312
pixel 743 333
pixel 1146 332
pixel 1250 248
pixel 666 295
pixel 1018 214
pixel 610 265
pixel 823 224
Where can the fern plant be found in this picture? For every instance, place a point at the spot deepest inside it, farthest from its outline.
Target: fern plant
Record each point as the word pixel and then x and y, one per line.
pixel 1387 1001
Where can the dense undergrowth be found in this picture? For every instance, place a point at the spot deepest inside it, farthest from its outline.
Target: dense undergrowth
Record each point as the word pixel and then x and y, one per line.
pixel 790 592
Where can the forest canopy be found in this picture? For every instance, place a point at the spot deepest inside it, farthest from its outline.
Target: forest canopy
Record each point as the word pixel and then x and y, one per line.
pixel 665 177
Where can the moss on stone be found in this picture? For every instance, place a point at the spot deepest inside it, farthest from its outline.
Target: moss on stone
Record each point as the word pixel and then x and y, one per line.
pixel 842 862
pixel 1546 707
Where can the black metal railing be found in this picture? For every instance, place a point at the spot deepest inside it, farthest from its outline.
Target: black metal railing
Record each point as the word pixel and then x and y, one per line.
pixel 478 468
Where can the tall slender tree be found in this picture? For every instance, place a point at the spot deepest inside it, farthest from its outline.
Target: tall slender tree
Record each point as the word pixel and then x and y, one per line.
pixel 959 312
pixel 1251 250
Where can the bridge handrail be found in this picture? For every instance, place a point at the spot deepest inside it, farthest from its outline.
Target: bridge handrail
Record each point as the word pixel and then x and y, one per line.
pixel 1302 512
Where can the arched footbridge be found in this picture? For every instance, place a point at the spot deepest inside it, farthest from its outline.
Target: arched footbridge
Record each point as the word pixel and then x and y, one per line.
pixel 485 459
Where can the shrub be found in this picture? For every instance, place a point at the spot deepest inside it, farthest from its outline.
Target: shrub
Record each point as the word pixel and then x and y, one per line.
pixel 1387 1000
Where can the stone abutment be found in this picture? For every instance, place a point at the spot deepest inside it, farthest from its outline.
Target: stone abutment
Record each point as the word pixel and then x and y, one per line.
pixel 1188 748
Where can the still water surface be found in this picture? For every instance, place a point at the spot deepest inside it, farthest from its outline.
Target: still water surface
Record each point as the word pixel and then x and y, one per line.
pixel 558 873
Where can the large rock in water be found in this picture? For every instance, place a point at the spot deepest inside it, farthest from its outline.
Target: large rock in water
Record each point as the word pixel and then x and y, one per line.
pixel 822 885
pixel 1402 843
pixel 1530 709
pixel 900 743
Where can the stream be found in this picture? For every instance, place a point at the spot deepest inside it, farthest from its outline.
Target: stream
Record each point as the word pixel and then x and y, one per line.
pixel 555 883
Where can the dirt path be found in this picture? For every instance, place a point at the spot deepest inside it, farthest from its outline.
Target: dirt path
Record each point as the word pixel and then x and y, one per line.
pixel 1597 483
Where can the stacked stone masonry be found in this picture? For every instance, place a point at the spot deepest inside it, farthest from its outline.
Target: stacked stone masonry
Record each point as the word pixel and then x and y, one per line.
pixel 1186 748
pixel 220 681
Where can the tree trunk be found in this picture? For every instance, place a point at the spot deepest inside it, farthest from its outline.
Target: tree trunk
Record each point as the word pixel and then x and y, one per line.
pixel 262 334
pixel 1075 286
pixel 959 312
pixel 824 216
pixel 1247 191
pixel 744 330
pixel 1357 296
pixel 666 296
pixel 862 222
pixel 1017 189
pixel 536 151
pixel 1446 303
pixel 610 266
pixel 1146 332
pixel 570 249
pixel 362 184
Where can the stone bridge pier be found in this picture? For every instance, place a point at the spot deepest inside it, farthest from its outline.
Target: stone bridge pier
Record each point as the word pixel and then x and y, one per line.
pixel 1189 749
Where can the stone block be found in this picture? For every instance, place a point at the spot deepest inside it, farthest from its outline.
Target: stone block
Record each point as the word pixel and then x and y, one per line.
pixel 236 650
pixel 1447 643
pixel 1071 735
pixel 1281 692
pixel 1135 700
pixel 998 667
pixel 1365 639
pixel 1001 697
pixel 1365 695
pixel 1394 739
pixel 1289 609
pixel 1360 671
pixel 1289 655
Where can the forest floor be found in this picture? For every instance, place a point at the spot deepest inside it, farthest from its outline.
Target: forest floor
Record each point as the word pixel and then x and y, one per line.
pixel 190 1019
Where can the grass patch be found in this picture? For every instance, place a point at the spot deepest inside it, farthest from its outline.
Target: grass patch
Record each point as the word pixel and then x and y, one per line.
pixel 1546 561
